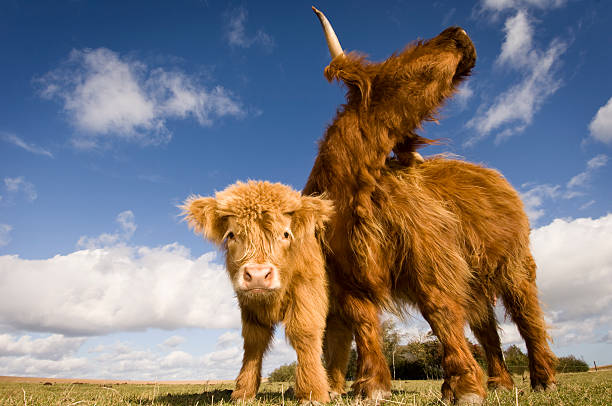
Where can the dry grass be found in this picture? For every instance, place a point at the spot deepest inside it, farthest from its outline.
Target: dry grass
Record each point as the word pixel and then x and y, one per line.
pixel 586 388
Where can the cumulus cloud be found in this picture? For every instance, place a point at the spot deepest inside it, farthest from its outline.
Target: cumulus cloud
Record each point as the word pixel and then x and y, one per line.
pixel 20 186
pixel 53 347
pixel 574 260
pixel 31 366
pixel 237 36
pixel 15 140
pixel 513 110
pixel 126 360
pixel 5 234
pixel 127 227
pixel 111 286
pixel 105 95
pixel 601 126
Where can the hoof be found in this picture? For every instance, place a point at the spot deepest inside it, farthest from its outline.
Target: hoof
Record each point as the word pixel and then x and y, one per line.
pixel 241 397
pixel 377 397
pixel 380 394
pixel 333 394
pixel 447 400
pixel 470 399
pixel 498 384
pixel 550 387
pixel 370 390
pixel 305 402
pixel 289 393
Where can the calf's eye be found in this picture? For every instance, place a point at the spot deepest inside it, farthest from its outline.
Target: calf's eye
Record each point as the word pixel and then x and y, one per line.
pixel 286 234
pixel 230 235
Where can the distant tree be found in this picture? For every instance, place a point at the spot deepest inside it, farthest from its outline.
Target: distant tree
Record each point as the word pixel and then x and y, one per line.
pixel 391 339
pixel 516 360
pixel 284 373
pixel 571 364
pixel 479 354
pixel 351 370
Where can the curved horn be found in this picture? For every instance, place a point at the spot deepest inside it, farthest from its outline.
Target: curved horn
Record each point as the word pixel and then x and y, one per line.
pixel 332 40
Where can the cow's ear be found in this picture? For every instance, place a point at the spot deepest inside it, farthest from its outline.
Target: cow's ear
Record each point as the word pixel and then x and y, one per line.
pixel 201 214
pixel 314 211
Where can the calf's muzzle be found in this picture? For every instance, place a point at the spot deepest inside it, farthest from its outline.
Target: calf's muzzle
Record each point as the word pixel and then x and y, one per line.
pixel 256 276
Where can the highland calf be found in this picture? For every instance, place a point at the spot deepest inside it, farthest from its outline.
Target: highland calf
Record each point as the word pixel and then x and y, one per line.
pixel 444 236
pixel 270 236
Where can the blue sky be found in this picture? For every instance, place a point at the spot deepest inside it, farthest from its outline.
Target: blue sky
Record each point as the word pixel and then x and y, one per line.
pixel 112 113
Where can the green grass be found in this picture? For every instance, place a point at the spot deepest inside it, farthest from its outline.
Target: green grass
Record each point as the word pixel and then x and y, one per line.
pixel 585 388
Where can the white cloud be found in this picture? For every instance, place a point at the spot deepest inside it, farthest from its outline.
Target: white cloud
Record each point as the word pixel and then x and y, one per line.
pixel 237 36
pixel 583 178
pixel 534 198
pixel 53 347
pixel 463 95
pixel 574 259
pixel 126 230
pixel 30 366
pixel 513 110
pixel 126 360
pixel 105 95
pixel 5 237
pixel 173 342
pixel 501 5
pixel 19 185
pixel 112 286
pixel 516 47
pixel 601 126
pixel 535 195
pixel 178 96
pixel 13 139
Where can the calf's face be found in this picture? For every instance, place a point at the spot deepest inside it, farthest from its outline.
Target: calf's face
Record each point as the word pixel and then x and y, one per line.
pixel 265 230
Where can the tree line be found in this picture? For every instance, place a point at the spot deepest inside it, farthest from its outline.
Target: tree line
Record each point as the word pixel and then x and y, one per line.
pixel 421 358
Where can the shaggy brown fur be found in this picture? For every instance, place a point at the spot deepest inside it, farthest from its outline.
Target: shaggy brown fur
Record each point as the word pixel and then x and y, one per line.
pixel 445 236
pixel 260 224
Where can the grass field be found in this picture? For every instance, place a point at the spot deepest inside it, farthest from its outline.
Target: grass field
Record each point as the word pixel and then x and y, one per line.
pixel 588 388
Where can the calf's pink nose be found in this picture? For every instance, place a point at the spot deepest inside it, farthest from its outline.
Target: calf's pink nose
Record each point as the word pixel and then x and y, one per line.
pixel 258 276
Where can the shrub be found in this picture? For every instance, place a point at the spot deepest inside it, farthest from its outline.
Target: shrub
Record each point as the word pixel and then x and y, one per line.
pixel 571 364
pixel 284 373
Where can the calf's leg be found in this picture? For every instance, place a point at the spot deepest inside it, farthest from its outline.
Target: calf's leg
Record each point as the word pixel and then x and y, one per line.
pixel 256 340
pixel 304 327
pixel 486 333
pixel 373 377
pixel 336 352
pixel 521 301
pixel 463 377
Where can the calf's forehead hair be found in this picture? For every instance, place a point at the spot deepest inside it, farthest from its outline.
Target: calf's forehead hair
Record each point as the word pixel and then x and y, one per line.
pixel 260 203
pixel 253 200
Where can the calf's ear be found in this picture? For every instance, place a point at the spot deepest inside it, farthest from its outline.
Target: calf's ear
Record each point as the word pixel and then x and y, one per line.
pixel 315 210
pixel 201 215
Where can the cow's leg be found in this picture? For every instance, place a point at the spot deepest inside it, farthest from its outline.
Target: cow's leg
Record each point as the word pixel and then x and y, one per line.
pixel 373 377
pixel 305 323
pixel 485 330
pixel 521 300
pixel 463 376
pixel 336 351
pixel 256 340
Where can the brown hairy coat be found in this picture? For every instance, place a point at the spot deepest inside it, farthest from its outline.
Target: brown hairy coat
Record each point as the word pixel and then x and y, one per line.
pixel 269 234
pixel 445 236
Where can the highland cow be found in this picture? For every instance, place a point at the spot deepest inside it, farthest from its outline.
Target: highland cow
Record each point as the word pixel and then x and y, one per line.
pixel 444 236
pixel 270 236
